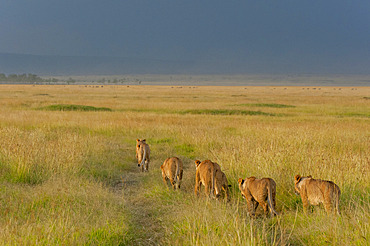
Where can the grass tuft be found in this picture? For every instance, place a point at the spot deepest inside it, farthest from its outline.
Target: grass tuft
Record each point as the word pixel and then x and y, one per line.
pixel 354 114
pixel 267 105
pixel 225 112
pixel 161 141
pixel 73 107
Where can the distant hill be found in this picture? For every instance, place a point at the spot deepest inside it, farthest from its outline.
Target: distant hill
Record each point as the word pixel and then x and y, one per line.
pixel 99 65
pixel 85 65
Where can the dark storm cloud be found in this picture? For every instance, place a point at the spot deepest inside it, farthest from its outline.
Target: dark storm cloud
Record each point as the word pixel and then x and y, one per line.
pixel 284 35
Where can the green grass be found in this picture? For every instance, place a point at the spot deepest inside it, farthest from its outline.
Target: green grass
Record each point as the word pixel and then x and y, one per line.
pixel 63 211
pixel 202 112
pixel 110 234
pixel 224 112
pixel 354 114
pixel 105 166
pixel 73 107
pixel 266 105
pixel 186 150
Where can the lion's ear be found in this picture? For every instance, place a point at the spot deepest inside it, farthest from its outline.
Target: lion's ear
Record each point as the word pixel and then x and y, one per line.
pixel 240 181
pixel 143 140
pixel 137 140
pixel 197 162
pixel 309 176
pixel 297 178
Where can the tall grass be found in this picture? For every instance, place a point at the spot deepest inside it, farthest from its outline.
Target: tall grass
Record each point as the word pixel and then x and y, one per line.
pixel 62 210
pixel 69 177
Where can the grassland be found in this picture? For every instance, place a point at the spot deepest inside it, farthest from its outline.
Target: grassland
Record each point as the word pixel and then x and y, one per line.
pixel 68 176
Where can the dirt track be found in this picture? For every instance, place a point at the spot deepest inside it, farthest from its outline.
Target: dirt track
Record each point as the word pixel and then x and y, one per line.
pixel 144 227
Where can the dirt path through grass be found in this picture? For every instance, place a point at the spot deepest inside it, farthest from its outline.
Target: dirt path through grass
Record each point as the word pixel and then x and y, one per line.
pixel 142 211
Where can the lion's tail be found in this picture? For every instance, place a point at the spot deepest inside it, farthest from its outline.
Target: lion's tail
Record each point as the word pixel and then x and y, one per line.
pixel 143 160
pixel 269 199
pixel 212 191
pixel 177 174
pixel 337 195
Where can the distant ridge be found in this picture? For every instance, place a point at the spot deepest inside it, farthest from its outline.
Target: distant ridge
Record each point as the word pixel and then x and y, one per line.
pixel 88 65
pixel 52 65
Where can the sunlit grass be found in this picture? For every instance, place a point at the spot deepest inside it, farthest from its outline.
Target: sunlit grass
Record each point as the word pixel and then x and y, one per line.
pixel 69 177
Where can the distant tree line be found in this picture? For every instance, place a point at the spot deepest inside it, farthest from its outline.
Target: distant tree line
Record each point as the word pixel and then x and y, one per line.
pixel 35 79
pixel 117 81
pixel 30 78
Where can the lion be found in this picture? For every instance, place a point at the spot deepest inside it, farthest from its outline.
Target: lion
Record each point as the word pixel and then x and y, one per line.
pixel 206 175
pixel 316 191
pixel 142 154
pixel 221 185
pixel 259 191
pixel 172 170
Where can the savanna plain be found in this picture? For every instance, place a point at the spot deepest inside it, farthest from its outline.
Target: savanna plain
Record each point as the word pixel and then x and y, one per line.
pixel 69 175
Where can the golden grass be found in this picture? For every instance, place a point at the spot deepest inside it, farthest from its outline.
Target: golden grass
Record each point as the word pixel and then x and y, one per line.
pixel 62 171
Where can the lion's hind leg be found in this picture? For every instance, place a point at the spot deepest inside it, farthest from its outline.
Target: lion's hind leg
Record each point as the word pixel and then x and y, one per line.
pixel 330 204
pixel 142 168
pixel 328 207
pixel 197 185
pixel 179 180
pixel 265 207
pixel 255 204
pixel 225 189
pixel 330 201
pixel 164 177
pixel 252 205
pixel 146 163
pixel 207 189
pixel 305 202
pixel 173 183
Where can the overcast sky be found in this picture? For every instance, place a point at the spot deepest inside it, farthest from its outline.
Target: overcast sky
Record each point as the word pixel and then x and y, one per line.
pixel 291 33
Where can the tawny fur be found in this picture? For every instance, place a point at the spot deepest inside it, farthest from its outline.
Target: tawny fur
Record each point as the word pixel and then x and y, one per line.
pixel 142 154
pixel 172 170
pixel 316 191
pixel 206 175
pixel 259 191
pixel 221 185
